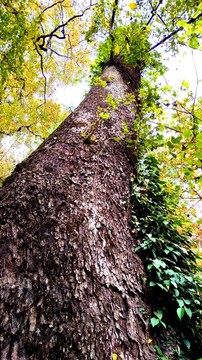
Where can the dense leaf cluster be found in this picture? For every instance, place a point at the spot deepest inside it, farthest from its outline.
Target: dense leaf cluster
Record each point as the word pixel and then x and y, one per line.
pixel 173 274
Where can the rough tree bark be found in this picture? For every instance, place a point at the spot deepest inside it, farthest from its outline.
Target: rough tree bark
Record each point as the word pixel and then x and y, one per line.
pixel 71 285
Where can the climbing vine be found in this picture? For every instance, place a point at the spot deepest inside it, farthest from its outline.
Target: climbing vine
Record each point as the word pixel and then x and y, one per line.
pixel 173 276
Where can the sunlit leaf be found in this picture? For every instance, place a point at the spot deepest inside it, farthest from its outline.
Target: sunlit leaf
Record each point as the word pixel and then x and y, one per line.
pixel 132 6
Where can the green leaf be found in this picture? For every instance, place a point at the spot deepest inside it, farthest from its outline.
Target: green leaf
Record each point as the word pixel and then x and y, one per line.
pixel 158 350
pixel 187 301
pixel 199 137
pixel 182 23
pixel 188 311
pixel 187 134
pixel 174 283
pixel 185 84
pixel 177 293
pixel 199 154
pixel 116 138
pixel 159 263
pixel 170 145
pixel 180 302
pixel 159 314
pixel 187 343
pixel 193 42
pixel 167 283
pixel 180 313
pixel 162 323
pixel 154 321
pixel 175 140
pixel 104 115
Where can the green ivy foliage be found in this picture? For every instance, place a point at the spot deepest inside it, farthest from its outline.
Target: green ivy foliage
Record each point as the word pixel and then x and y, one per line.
pixel 173 276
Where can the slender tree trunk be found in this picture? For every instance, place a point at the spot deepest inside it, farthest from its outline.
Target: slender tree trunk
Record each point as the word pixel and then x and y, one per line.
pixel 71 284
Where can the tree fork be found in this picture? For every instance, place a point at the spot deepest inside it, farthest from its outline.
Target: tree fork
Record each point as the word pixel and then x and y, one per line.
pixel 71 284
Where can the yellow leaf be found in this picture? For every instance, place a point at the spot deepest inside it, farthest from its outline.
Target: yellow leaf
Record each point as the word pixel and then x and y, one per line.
pixel 149 341
pixel 127 47
pixel 117 50
pixel 114 356
pixel 132 6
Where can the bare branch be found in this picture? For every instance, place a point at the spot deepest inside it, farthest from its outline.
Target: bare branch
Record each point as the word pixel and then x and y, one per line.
pixel 58 54
pixel 53 32
pixel 195 96
pixel 111 25
pixel 166 38
pixel 21 128
pixel 166 126
pixel 54 4
pixel 43 74
pixel 154 11
pixel 193 206
pixel 113 15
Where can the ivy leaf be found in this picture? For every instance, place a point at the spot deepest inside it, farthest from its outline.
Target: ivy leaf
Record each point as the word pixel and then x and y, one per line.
pixel 159 314
pixel 154 321
pixel 180 312
pixel 159 263
pixel 187 343
pixel 188 311
pixel 180 302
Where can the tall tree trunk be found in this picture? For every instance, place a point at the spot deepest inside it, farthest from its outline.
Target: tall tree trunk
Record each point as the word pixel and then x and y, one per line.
pixel 71 284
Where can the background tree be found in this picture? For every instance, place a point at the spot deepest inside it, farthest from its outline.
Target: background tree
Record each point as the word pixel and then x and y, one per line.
pixel 72 287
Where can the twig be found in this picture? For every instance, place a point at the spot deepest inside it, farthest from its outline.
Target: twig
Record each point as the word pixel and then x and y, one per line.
pixel 57 53
pixel 43 74
pixel 52 33
pixel 154 11
pixel 166 126
pixel 22 127
pixel 54 4
pixel 111 25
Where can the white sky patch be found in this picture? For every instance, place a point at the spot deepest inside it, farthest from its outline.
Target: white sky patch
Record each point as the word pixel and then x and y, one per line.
pixel 71 95
pixel 187 65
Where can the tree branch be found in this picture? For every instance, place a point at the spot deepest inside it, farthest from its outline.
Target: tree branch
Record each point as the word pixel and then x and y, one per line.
pixel 21 128
pixel 43 74
pixel 154 11
pixel 52 33
pixel 166 126
pixel 111 25
pixel 191 21
pixel 54 4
